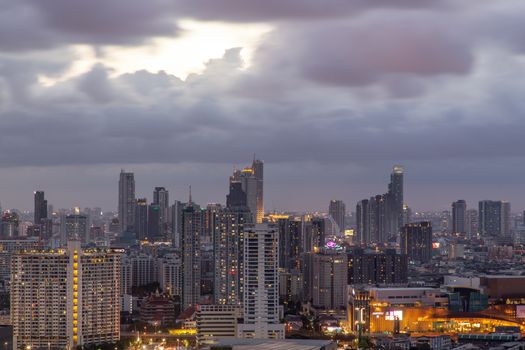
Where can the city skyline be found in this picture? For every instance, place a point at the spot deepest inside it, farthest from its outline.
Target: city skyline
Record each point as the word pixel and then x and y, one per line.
pixel 209 193
pixel 218 195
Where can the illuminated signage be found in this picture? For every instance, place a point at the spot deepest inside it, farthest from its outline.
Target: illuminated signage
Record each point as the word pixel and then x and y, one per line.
pixel 393 315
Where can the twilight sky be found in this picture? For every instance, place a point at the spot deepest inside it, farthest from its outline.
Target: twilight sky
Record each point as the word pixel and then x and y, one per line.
pixel 330 94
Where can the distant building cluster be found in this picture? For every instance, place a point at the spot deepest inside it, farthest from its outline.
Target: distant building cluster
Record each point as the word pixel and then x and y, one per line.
pixel 232 275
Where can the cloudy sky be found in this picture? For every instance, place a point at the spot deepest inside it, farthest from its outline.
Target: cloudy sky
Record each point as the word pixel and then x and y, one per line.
pixel 330 94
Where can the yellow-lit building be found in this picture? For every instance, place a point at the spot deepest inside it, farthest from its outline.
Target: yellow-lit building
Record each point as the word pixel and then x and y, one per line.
pixel 65 298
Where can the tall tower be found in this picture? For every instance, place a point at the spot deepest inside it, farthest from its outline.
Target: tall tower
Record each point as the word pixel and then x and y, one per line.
pixel 416 241
pixel 161 198
pixel 126 200
pixel 141 219
pixel 459 215
pixel 228 244
pixel 337 210
pixel 261 283
pixel 395 200
pixel 40 208
pixel 191 229
pixel 258 172
pixel 362 223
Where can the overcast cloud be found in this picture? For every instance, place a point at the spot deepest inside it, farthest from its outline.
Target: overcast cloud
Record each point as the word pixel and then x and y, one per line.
pixel 335 95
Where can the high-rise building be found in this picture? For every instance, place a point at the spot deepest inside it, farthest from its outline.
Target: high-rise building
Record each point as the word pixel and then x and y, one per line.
pixel 170 274
pixel 416 241
pixel 337 210
pixel 362 235
pixel 154 223
pixel 65 298
pixel 261 283
pixel 228 251
pixel 290 232
pixel 380 218
pixel 176 223
pixel 247 188
pixel 77 227
pixel 40 211
pixel 494 218
pixel 459 216
pixel 371 267
pixel 258 172
pixel 211 222
pixel 472 224
pixel 9 225
pixel 395 201
pixel 141 219
pixel 126 201
pixel 161 198
pixel 325 276
pixel 191 229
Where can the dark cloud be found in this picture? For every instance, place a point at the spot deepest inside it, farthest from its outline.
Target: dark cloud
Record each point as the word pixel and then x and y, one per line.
pixel 42 24
pixel 334 96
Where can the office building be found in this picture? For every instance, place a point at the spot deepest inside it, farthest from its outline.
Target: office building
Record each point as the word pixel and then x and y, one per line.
pixel 494 218
pixel 362 234
pixel 211 222
pixel 325 276
pixel 337 211
pixel 161 199
pixel 215 322
pixel 176 223
pixel 9 225
pixel 126 201
pixel 192 227
pixel 40 209
pixel 371 267
pixel 246 188
pixel 290 231
pixel 380 218
pixel 154 223
pixel 416 241
pixel 65 298
pixel 261 283
pixel 141 219
pixel 459 216
pixel 395 201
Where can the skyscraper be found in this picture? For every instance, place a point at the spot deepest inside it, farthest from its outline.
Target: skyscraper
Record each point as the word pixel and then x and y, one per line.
pixel 337 210
pixel 141 219
pixel 290 232
pixel 228 251
pixel 459 213
pixel 192 227
pixel 362 235
pixel 381 217
pixel 251 189
pixel 494 218
pixel 126 201
pixel 416 241
pixel 261 283
pixel 65 298
pixel 395 201
pixel 40 211
pixel 161 198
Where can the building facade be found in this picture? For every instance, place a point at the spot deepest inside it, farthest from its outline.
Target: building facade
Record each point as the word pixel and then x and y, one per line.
pixel 65 298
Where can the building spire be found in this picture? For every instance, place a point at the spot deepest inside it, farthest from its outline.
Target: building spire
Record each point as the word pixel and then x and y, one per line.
pixel 190 201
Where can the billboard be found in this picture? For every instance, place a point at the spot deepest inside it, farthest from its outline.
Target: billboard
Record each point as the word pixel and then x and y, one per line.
pixel 393 315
